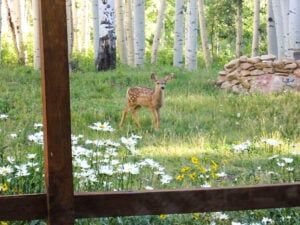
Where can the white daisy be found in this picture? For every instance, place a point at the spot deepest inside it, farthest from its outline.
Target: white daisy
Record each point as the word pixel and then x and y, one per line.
pixel 102 126
pixel 288 160
pixel 3 116
pixel 165 179
pixel 129 168
pixel 6 170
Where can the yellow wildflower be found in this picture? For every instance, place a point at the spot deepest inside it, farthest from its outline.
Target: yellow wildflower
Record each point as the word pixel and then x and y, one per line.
pixel 195 160
pixel 214 175
pixel 180 177
pixel 257 178
pixel 202 169
pixel 185 169
pixel 162 216
pixel 4 187
pixel 193 176
pixel 196 216
pixel 3 223
pixel 224 161
pixel 214 165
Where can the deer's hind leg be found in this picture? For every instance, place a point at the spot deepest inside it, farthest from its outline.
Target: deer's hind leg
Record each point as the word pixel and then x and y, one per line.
pixel 128 108
pixel 135 116
pixel 155 113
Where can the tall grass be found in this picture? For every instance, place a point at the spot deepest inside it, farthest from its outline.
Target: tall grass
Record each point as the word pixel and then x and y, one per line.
pixel 207 137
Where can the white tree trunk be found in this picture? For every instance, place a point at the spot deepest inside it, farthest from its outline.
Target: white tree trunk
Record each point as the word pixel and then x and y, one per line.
pixel 294 27
pixel 77 42
pixel 284 5
pixel 239 29
pixel 179 34
pixel 129 33
pixel 20 30
pixel 96 27
pixel 106 57
pixel 24 29
pixel 69 30
pixel 36 35
pixel 120 31
pixel 14 8
pixel 139 31
pixel 279 28
pixel 80 29
pixel 85 27
pixel 157 35
pixel 191 36
pixel 271 31
pixel 256 21
pixel 203 33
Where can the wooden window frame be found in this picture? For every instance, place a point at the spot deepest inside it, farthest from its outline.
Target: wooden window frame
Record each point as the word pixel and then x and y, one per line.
pixel 60 205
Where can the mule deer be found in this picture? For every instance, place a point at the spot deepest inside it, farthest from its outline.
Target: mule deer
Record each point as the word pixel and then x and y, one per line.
pixel 138 97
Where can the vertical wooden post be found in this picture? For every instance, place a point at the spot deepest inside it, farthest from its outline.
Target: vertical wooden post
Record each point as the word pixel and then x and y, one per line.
pixel 56 112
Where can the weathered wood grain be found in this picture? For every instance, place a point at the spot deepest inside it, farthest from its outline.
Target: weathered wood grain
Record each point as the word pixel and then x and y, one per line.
pixel 186 201
pixel 23 207
pixel 137 203
pixel 56 112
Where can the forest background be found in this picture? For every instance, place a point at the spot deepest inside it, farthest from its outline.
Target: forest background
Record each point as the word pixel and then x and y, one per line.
pixel 222 18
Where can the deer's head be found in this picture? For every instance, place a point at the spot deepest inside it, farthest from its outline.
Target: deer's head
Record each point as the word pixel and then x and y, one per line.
pixel 161 83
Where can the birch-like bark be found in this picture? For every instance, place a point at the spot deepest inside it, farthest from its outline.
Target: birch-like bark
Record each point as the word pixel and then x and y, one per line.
pixel 129 33
pixel 239 29
pixel 36 36
pixel 279 28
pixel 191 39
pixel 284 6
pixel 179 34
pixel 139 32
pixel 271 31
pixel 77 42
pixel 256 22
pixel 120 31
pixel 69 30
pixel 203 32
pixel 159 27
pixel 294 27
pixel 14 11
pixel 21 29
pixel 96 27
pixel 106 56
pixel 85 27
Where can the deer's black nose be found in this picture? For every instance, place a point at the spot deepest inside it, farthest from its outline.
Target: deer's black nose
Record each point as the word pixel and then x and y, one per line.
pixel 162 88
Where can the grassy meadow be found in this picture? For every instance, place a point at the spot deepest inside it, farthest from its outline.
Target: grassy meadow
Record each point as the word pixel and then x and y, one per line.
pixel 207 138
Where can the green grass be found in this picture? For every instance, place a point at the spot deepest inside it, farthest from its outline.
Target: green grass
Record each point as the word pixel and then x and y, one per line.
pixel 197 120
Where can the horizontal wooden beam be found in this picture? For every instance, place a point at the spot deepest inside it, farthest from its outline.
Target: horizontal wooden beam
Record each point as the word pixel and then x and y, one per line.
pixel 23 207
pixel 186 201
pixel 137 203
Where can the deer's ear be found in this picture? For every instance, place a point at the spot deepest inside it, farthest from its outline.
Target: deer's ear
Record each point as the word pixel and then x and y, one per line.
pixel 170 77
pixel 153 76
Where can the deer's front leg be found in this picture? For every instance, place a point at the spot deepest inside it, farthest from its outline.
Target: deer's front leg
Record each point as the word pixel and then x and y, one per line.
pixel 155 113
pixel 124 116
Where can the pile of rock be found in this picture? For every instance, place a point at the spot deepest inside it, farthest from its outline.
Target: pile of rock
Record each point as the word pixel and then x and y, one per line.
pixel 261 73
